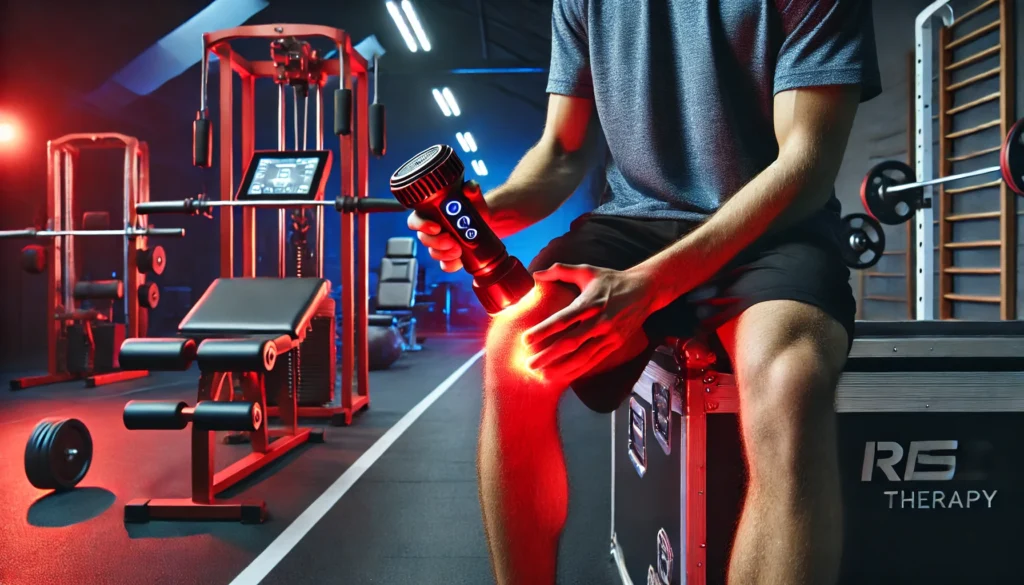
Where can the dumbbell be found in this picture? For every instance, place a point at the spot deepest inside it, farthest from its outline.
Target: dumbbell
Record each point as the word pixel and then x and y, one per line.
pixel 151 415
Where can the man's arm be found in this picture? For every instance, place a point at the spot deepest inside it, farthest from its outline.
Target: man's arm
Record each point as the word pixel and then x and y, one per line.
pixel 550 171
pixel 812 126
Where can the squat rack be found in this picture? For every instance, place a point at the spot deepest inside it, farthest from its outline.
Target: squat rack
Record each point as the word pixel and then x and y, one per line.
pixel 352 71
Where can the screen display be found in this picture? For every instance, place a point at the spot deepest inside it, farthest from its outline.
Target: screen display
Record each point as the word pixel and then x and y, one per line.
pixel 284 176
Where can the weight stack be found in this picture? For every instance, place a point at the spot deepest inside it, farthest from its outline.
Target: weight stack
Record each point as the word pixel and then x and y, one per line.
pixel 108 338
pixel 77 350
pixel 316 356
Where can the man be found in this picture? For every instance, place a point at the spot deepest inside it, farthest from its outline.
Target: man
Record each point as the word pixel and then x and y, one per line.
pixel 727 123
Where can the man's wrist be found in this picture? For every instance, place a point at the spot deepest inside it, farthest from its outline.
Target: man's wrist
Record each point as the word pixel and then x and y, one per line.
pixel 660 285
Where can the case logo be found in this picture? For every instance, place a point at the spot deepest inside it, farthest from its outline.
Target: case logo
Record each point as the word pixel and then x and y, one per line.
pixel 925 461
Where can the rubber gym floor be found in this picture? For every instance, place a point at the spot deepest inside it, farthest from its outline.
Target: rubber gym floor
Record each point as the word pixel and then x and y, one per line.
pixel 412 516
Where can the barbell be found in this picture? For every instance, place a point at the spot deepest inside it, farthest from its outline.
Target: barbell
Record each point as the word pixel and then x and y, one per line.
pixel 891 196
pixel 131 232
pixel 342 204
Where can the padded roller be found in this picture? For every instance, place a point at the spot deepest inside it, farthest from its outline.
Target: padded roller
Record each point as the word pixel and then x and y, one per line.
pixel 228 416
pixel 98 289
pixel 378 130
pixel 171 354
pixel 154 415
pixel 342 112
pixel 202 141
pixel 237 355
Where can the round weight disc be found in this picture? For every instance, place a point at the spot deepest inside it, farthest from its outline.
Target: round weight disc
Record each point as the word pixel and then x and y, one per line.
pixel 70 452
pixel 862 241
pixel 35 460
pixel 1011 158
pixel 890 208
pixel 149 295
pixel 158 259
pixel 33 259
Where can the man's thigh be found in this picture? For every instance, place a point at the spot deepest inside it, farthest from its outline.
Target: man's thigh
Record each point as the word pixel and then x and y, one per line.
pixel 792 291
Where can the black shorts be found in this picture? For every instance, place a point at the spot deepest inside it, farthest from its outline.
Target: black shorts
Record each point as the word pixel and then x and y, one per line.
pixel 798 264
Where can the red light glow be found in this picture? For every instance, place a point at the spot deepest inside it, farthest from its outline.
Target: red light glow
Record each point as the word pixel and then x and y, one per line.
pixel 7 132
pixel 521 353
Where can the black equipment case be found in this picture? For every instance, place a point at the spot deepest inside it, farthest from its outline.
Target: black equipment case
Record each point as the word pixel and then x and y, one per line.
pixel 931 447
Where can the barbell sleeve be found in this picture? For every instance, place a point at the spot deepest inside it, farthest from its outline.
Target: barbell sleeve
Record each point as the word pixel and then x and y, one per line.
pixel 940 180
pixel 153 207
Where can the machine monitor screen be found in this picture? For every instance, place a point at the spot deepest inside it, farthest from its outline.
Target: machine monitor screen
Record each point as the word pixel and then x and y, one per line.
pixel 297 174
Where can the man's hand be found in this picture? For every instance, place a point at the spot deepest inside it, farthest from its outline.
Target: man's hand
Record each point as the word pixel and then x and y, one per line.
pixel 611 307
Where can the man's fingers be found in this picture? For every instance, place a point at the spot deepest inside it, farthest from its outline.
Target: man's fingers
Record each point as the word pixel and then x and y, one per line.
pixel 565 345
pixel 577 368
pixel 445 255
pixel 558 322
pixel 451 265
pixel 440 241
pixel 580 275
pixel 417 223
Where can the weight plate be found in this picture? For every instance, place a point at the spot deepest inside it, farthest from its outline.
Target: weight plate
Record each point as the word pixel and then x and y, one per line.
pixel 1011 159
pixel 35 468
pixel 70 452
pixel 33 259
pixel 152 260
pixel 862 241
pixel 58 454
pixel 149 295
pixel 890 208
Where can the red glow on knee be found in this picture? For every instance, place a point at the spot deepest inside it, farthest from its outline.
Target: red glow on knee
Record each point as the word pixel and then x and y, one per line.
pixel 503 322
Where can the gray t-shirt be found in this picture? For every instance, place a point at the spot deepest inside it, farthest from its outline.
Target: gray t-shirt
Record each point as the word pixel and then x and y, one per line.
pixel 684 88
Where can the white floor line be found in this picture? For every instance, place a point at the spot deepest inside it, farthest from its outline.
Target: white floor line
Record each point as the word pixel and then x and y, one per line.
pixel 286 541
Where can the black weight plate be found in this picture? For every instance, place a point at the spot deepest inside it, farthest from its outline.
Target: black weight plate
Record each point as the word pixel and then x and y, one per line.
pixel 33 259
pixel 149 295
pixel 70 452
pixel 862 241
pixel 37 456
pixel 890 208
pixel 34 468
pixel 1011 159
pixel 152 260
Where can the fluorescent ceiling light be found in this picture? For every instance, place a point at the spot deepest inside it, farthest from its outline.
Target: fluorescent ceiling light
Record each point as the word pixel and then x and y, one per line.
pixel 414 22
pixel 448 97
pixel 470 142
pixel 479 168
pixel 462 141
pixel 402 28
pixel 442 103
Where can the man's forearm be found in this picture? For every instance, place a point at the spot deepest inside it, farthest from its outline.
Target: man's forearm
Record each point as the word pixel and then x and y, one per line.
pixel 540 183
pixel 787 191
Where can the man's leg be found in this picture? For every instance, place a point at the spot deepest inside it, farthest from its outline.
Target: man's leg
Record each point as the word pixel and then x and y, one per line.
pixel 521 468
pixel 787 357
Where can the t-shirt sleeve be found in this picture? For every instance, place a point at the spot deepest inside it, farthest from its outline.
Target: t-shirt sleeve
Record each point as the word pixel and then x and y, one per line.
pixel 828 42
pixel 570 54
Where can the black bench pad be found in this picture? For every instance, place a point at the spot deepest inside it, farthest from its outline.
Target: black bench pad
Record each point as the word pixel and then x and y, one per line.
pixel 267 307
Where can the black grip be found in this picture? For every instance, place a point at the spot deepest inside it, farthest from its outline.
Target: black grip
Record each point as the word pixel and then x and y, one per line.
pixel 228 416
pixel 151 207
pixel 342 112
pixel 202 141
pixel 154 415
pixel 98 289
pixel 378 130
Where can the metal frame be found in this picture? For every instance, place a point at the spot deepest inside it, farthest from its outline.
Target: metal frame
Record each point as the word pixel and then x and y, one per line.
pixel 925 164
pixel 352 70
pixel 61 275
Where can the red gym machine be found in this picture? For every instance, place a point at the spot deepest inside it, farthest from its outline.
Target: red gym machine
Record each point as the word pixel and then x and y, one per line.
pixel 295 63
pixel 84 343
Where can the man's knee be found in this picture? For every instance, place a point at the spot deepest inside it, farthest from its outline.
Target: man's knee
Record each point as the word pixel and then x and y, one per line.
pixel 787 396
